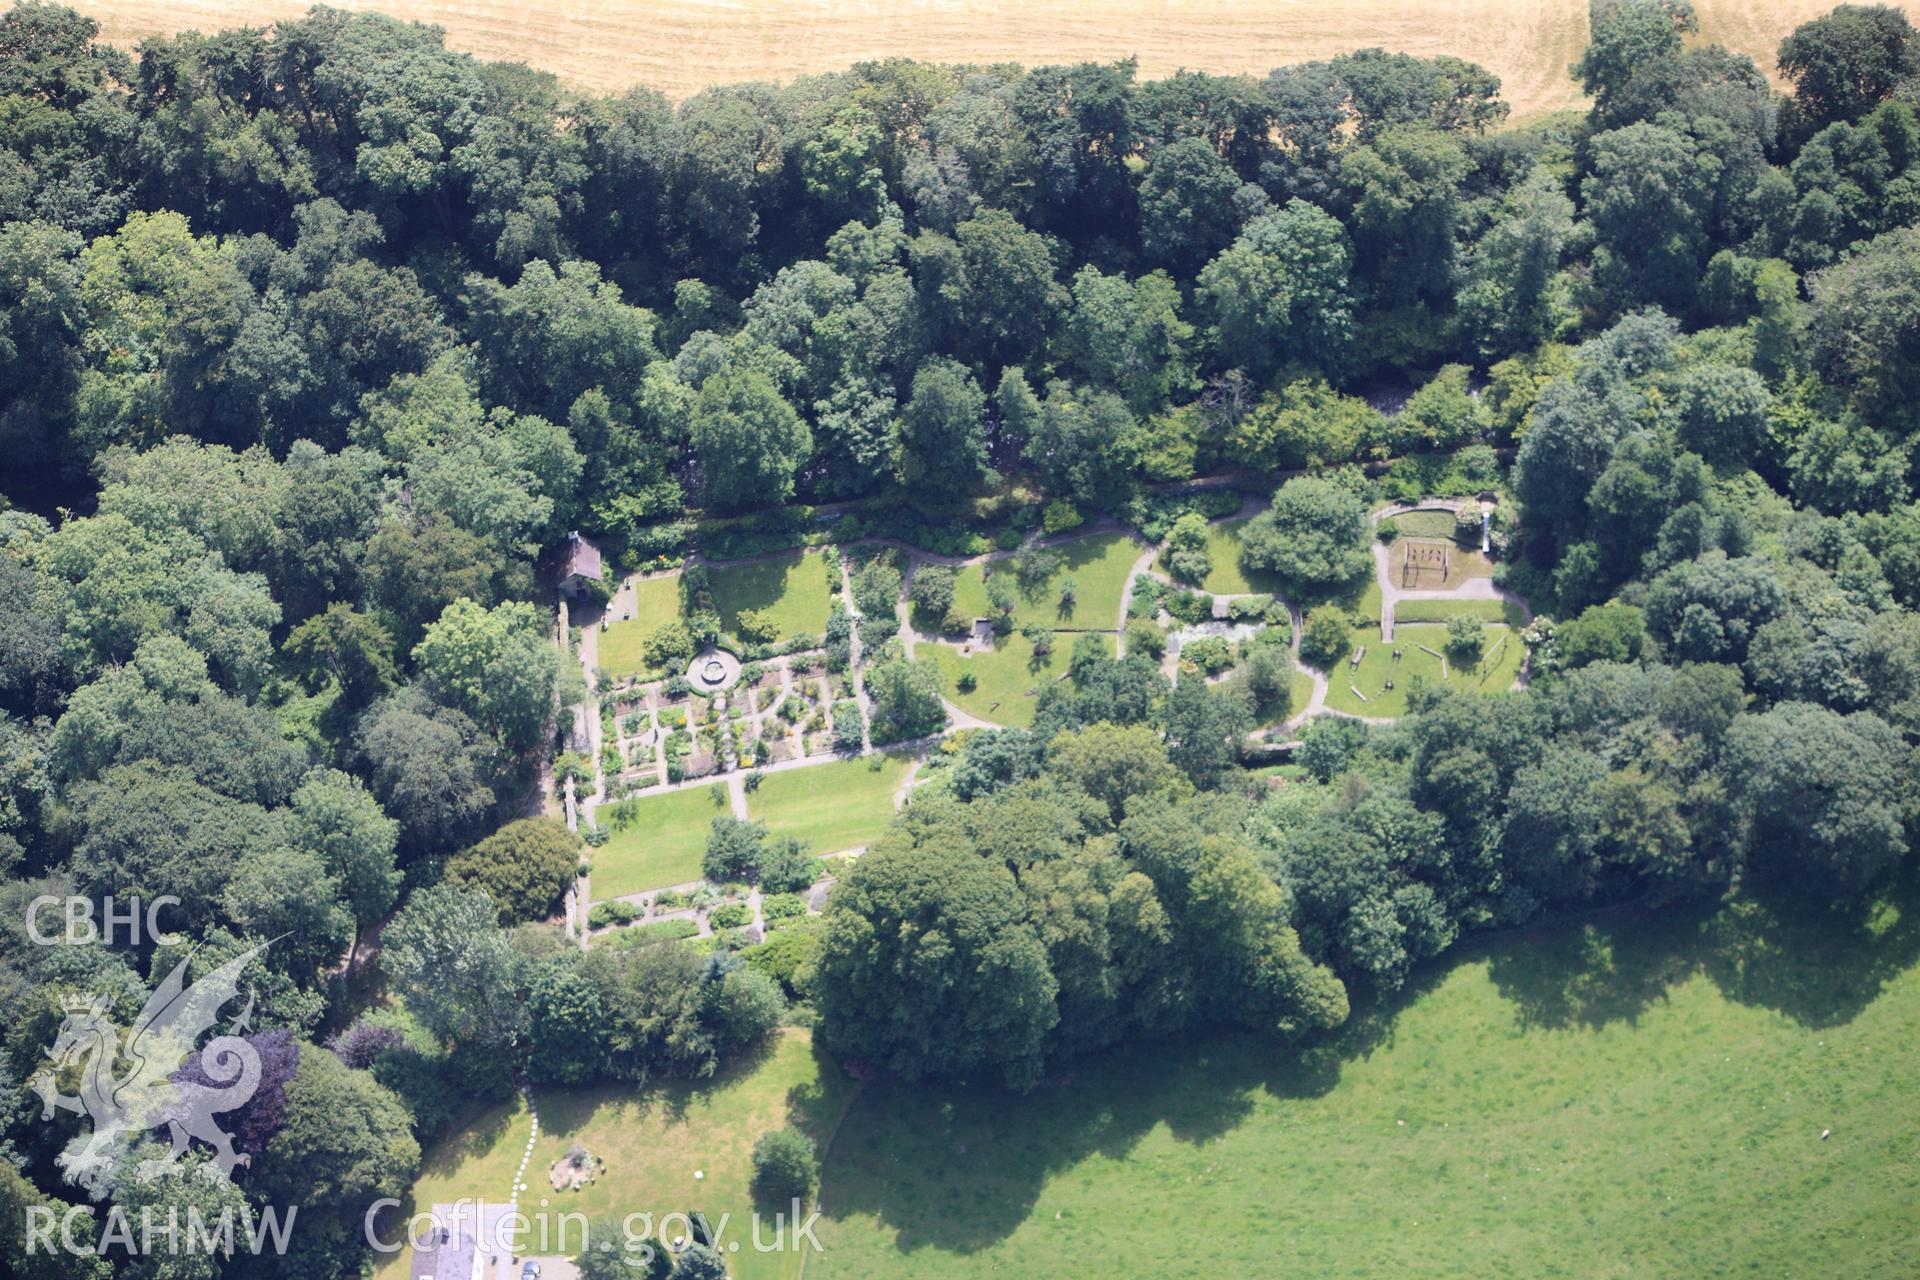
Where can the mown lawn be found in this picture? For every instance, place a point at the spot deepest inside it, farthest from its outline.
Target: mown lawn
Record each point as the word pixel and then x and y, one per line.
pixel 653 1142
pixel 843 805
pixel 1634 1095
pixel 1430 522
pixel 655 600
pixel 792 587
pixel 1301 688
pixel 1299 693
pixel 1099 565
pixel 1498 666
pixel 1363 601
pixel 1228 577
pixel 1008 680
pixel 1359 597
pixel 661 843
pixel 1440 610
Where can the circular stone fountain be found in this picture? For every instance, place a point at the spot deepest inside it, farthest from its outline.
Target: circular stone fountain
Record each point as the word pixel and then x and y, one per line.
pixel 713 670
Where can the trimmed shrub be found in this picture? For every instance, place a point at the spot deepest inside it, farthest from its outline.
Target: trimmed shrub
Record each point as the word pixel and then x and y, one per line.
pixel 613 912
pixel 1211 654
pixel 1327 638
pixel 782 906
pixel 1061 515
pixel 784 1166
pixel 644 935
pixel 730 915
pixel 1143 637
pixel 1466 638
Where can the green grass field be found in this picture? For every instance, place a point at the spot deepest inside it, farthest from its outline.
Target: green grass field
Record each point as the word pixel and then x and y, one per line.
pixel 662 845
pixel 1009 684
pixel 843 805
pixel 1495 672
pixel 1228 577
pixel 1299 693
pixel 1629 1096
pixel 1440 610
pixel 1364 603
pixel 1300 686
pixel 1428 523
pixel 653 1141
pixel 1099 564
pixel 793 587
pixel 1360 598
pixel 655 600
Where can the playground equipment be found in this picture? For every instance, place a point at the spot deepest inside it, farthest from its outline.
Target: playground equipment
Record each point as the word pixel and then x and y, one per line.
pixel 1417 558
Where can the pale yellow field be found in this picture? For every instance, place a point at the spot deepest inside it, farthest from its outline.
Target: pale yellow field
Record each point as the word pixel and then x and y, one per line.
pixel 680 46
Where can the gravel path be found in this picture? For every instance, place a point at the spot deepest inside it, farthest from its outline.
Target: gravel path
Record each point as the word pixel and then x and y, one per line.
pixel 587 723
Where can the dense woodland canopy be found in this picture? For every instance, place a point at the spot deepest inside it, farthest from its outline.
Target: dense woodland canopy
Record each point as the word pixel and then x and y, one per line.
pixel 323 336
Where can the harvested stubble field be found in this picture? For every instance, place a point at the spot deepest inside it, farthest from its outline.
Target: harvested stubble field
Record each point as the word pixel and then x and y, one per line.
pixel 682 46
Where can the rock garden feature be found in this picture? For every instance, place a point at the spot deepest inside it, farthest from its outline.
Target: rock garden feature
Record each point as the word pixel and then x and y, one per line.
pixel 576 1169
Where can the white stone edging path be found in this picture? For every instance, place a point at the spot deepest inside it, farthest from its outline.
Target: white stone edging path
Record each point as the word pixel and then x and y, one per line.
pixel 533 1136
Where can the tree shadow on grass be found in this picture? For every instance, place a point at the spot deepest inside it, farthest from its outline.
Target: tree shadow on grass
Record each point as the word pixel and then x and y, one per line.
pixel 1815 963
pixel 1347 593
pixel 474 1139
pixel 1608 967
pixel 1819 967
pixel 959 1168
pixel 568 1112
pixel 759 585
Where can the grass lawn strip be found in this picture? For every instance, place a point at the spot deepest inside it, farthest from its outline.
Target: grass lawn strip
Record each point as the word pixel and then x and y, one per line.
pixel 1428 522
pixel 791 587
pixel 1505 611
pixel 1228 577
pixel 1009 685
pixel 844 805
pixel 655 600
pixel 1300 689
pixel 661 845
pixel 1496 671
pixel 1099 565
pixel 1358 599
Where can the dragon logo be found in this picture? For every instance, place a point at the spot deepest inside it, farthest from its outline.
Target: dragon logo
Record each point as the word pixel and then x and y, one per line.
pixel 128 1089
